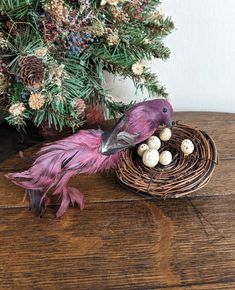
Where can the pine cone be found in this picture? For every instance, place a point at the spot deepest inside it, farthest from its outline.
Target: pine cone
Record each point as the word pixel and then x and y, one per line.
pixel 15 28
pixel 31 72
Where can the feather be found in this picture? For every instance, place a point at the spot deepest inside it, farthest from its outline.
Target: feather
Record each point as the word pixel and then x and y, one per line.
pixel 37 201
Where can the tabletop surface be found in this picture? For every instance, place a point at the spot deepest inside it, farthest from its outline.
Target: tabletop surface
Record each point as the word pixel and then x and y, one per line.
pixel 122 240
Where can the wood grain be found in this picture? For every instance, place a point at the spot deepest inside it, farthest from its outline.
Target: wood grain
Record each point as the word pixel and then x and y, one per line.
pixel 208 286
pixel 123 240
pixel 124 245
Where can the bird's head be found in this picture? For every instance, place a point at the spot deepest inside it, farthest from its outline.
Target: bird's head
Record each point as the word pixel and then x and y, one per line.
pixel 136 125
pixel 162 111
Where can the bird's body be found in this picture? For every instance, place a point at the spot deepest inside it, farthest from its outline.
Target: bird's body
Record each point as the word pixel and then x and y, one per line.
pixel 87 151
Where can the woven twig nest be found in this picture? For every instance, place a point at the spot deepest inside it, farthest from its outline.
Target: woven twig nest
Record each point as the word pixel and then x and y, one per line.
pixel 182 176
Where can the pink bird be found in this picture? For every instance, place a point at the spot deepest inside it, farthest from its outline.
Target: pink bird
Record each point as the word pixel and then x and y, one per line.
pixel 88 151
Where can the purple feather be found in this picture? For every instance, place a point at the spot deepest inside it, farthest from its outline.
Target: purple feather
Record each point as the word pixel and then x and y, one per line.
pixel 88 151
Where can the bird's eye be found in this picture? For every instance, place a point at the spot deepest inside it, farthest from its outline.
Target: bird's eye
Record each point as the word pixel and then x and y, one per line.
pixel 164 110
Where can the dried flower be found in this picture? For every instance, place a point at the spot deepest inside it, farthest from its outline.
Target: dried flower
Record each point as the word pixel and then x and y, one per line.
pixel 137 68
pixel 57 10
pixel 41 51
pixel 79 106
pixel 17 109
pixel 97 28
pixel 36 101
pixel 119 15
pixel 3 41
pixel 147 41
pixel 84 5
pixel 112 39
pixel 56 73
pixel 113 2
pixel 3 83
pixel 111 98
pixel 78 41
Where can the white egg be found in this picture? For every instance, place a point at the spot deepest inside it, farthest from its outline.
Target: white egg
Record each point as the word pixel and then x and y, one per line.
pixel 165 134
pixel 187 147
pixel 165 157
pixel 150 157
pixel 154 142
pixel 142 148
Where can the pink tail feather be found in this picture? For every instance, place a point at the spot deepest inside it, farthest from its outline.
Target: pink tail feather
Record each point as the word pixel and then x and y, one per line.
pixel 70 195
pixel 37 201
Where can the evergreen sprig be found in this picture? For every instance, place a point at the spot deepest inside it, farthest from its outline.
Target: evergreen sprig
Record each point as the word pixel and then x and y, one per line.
pixel 76 41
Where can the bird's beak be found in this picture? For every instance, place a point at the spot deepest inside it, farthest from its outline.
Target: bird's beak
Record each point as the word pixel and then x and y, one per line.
pixel 169 124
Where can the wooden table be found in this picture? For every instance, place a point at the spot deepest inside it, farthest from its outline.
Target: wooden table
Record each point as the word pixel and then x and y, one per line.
pixel 122 240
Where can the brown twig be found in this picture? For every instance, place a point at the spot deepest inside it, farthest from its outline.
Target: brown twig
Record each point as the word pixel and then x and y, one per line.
pixel 183 176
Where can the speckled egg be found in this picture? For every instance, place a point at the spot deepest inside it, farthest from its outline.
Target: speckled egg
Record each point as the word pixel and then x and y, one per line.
pixel 150 157
pixel 154 142
pixel 187 147
pixel 142 148
pixel 165 134
pixel 165 157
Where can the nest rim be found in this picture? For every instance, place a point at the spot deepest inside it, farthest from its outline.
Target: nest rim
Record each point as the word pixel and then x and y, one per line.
pixel 184 175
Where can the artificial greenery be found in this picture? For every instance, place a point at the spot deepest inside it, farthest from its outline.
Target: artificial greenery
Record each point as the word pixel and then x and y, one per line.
pixel 74 42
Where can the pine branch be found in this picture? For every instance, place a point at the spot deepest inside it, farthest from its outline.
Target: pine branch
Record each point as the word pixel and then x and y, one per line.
pixel 75 46
pixel 18 8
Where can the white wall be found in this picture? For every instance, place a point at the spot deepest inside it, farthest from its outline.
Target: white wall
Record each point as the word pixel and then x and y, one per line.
pixel 200 74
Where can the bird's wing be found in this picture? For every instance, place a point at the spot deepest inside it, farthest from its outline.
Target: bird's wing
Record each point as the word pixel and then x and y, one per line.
pixel 118 138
